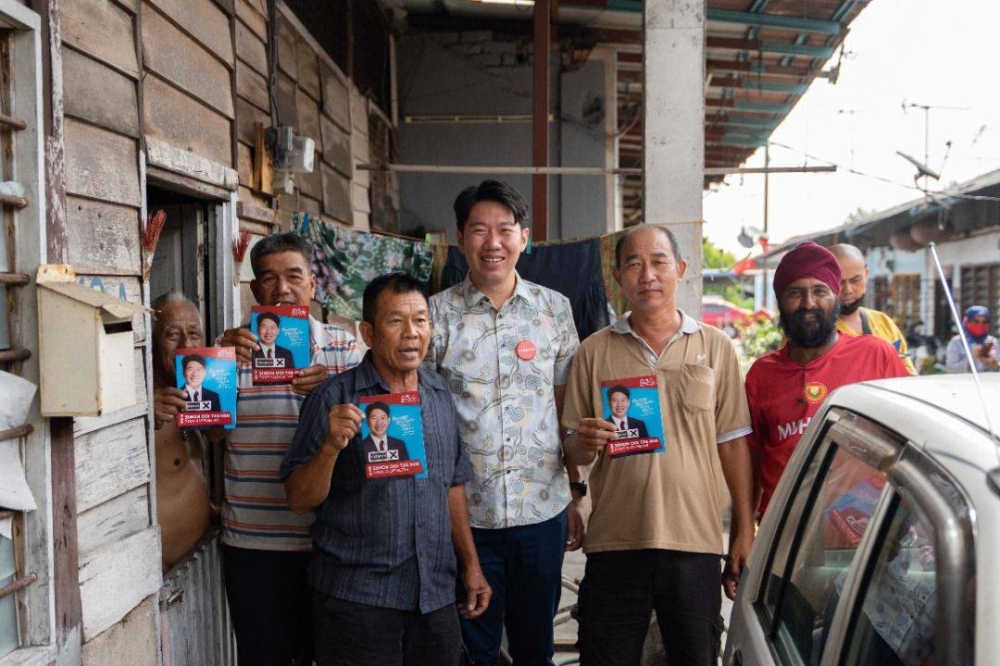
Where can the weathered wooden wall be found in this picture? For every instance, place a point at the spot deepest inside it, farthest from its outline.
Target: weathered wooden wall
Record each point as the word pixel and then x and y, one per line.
pixel 176 85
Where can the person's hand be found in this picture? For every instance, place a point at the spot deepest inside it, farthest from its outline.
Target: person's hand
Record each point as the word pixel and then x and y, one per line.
pixel 309 378
pixel 244 341
pixel 477 594
pixel 344 421
pixel 168 402
pixel 576 527
pixel 736 560
pixel 594 433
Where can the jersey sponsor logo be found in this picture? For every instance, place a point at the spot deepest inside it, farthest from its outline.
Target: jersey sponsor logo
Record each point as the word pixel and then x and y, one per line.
pixel 793 428
pixel 815 392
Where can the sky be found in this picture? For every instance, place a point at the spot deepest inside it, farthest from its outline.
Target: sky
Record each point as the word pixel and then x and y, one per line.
pixel 940 54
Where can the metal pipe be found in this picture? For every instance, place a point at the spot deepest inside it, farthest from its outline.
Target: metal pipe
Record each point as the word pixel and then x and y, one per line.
pixel 574 171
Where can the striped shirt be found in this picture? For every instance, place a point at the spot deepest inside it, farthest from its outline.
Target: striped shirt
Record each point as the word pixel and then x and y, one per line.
pixel 256 514
pixel 384 542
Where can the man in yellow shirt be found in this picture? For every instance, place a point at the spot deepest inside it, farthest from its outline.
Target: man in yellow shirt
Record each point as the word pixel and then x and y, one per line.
pixel 856 320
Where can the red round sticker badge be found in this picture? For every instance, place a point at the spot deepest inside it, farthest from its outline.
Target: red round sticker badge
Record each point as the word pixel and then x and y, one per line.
pixel 526 350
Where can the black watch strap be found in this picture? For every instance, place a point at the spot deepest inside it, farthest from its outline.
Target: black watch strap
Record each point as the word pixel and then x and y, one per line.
pixel 579 486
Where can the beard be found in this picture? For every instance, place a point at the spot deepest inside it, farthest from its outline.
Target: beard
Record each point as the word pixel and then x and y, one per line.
pixel 846 309
pixel 809 334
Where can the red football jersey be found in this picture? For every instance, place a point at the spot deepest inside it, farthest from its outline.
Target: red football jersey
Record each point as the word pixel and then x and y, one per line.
pixel 784 395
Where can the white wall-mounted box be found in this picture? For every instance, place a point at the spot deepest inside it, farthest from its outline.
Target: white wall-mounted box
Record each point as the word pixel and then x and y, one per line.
pixel 86 355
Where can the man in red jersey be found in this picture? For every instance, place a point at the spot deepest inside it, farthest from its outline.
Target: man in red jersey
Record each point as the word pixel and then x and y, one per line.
pixel 786 387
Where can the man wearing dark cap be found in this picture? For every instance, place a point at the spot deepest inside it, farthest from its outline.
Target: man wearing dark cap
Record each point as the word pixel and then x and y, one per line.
pixel 786 387
pixel 982 345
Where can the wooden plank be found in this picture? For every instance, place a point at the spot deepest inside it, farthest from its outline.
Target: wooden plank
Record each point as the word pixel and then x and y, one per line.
pixel 252 18
pixel 162 154
pixel 251 198
pixel 98 94
pixel 114 520
pixel 131 641
pixel 288 57
pixel 361 153
pixel 359 198
pixel 102 29
pixel 309 205
pixel 178 58
pixel 251 49
pixel 308 116
pixel 311 184
pixel 116 578
pixel 110 462
pixel 336 100
pixel 336 194
pixel 180 121
pixel 247 115
pixel 203 21
pixel 285 98
pixel 263 165
pixel 250 211
pixel 103 238
pixel 101 164
pixel 251 86
pixel 336 146
pixel 86 424
pixel 244 164
pixel 308 70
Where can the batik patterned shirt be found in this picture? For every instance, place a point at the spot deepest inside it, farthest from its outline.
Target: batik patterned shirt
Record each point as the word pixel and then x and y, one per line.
pixel 502 366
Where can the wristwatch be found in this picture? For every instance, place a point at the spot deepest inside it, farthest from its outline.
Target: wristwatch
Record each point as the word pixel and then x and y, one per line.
pixel 579 486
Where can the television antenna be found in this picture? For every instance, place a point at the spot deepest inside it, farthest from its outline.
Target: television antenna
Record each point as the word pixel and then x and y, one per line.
pixel 923 168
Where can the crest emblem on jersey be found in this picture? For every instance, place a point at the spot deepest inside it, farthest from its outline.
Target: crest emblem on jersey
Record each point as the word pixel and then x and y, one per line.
pixel 815 392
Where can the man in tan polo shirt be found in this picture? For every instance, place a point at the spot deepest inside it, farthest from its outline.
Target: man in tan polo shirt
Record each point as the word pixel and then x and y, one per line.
pixel 655 536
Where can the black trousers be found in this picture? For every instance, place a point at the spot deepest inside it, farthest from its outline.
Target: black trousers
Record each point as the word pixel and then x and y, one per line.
pixel 270 604
pixel 621 589
pixel 351 634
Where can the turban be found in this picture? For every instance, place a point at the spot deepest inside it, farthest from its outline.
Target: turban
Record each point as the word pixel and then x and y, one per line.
pixel 807 260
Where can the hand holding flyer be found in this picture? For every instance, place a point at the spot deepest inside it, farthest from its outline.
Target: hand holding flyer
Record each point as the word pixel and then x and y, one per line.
pixel 633 406
pixel 206 377
pixel 392 436
pixel 282 342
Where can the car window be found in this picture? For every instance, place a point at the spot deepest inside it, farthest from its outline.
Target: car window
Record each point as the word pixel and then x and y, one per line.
pixel 896 624
pixel 826 523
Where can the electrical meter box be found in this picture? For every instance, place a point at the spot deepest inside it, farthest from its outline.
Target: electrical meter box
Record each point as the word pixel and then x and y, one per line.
pixel 86 350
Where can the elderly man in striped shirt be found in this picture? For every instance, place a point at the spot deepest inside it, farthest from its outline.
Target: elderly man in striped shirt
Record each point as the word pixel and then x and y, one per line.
pixel 267 546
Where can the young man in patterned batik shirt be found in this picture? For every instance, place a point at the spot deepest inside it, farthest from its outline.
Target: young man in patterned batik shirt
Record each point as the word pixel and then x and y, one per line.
pixel 505 346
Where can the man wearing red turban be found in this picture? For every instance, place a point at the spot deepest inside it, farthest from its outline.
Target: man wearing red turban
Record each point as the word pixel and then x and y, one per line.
pixel 786 387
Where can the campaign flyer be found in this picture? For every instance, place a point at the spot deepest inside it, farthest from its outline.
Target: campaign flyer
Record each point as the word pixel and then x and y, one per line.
pixel 850 514
pixel 633 405
pixel 207 376
pixel 283 339
pixel 392 436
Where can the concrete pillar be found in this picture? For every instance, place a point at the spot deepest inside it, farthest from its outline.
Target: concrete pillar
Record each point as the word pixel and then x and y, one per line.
pixel 674 124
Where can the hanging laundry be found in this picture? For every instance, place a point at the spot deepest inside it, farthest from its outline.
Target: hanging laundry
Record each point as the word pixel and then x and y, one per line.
pixel 345 261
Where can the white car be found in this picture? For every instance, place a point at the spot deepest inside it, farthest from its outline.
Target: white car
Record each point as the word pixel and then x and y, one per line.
pixel 881 544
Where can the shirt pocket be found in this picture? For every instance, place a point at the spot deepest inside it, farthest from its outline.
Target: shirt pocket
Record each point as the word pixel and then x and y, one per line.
pixel 698 387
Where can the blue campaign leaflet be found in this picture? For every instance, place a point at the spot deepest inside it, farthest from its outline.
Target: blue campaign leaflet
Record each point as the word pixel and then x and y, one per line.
pixel 207 376
pixel 283 339
pixel 633 405
pixel 392 436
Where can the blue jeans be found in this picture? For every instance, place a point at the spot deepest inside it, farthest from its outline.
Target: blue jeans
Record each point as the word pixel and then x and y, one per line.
pixel 523 565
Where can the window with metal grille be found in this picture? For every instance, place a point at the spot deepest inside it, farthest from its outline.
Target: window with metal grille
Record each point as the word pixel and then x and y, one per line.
pixel 906 299
pixel 981 286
